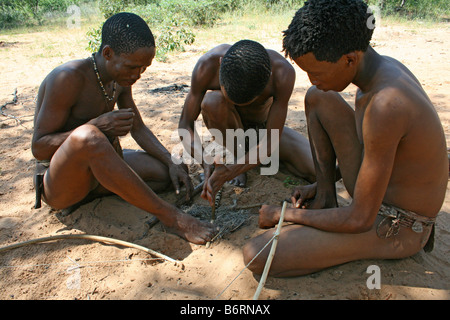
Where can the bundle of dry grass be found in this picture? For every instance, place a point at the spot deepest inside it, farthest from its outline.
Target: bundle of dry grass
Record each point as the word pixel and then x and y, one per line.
pixel 228 218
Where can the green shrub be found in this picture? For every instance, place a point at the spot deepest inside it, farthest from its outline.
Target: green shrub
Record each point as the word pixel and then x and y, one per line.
pixel 28 12
pixel 172 37
pixel 9 16
pixel 171 21
pixel 413 9
pixel 94 38
pixel 110 7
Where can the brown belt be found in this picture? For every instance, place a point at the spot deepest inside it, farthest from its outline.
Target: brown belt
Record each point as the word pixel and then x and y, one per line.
pixel 394 218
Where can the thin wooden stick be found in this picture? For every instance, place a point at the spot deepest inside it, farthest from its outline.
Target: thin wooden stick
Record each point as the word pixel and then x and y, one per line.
pixel 271 254
pixel 93 238
pixel 216 205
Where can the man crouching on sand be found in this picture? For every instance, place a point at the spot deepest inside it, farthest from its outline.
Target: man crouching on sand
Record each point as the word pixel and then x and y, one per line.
pixel 76 131
pixel 391 150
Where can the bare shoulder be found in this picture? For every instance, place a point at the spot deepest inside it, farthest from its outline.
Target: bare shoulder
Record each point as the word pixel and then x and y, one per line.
pixel 205 75
pixel 279 62
pixel 71 73
pixel 397 80
pixel 388 110
pixel 63 85
pixel 212 58
pixel 396 104
pixel 393 64
pixel 396 89
pixel 219 50
pixel 283 73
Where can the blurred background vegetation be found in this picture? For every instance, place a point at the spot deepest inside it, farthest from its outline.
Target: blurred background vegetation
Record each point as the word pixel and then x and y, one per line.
pixel 174 22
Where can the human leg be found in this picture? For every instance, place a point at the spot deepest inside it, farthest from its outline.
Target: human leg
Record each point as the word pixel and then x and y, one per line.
pixel 154 173
pixel 303 250
pixel 69 179
pixel 332 133
pixel 295 153
pixel 87 158
pixel 151 170
pixel 218 113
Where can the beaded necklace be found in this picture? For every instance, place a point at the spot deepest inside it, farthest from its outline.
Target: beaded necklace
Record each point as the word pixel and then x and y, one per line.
pixel 100 82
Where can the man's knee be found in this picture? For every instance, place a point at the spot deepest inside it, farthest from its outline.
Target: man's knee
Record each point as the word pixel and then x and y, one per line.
pixel 213 105
pixel 318 101
pixel 87 138
pixel 250 252
pixel 313 97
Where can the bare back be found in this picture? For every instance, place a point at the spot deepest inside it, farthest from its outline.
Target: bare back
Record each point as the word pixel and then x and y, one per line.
pixel 418 180
pixel 205 77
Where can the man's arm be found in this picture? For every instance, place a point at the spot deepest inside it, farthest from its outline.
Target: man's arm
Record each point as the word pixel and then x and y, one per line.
pixel 283 82
pixel 60 92
pixel 190 138
pixel 384 125
pixel 201 79
pixel 145 138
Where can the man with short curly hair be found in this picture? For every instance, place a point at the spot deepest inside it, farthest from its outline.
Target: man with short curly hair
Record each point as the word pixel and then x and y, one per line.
pixel 390 149
pixel 244 86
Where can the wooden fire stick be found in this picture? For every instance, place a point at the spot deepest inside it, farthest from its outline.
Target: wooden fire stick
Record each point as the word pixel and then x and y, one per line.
pixel 271 254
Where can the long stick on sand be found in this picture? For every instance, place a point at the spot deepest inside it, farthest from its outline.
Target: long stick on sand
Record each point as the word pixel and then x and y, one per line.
pixel 271 254
pixel 93 238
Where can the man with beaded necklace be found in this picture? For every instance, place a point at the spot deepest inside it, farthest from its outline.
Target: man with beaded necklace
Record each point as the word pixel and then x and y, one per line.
pixel 76 132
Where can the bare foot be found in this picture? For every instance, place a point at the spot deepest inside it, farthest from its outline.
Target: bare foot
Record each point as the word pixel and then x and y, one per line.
pixel 192 229
pixel 240 180
pixel 307 197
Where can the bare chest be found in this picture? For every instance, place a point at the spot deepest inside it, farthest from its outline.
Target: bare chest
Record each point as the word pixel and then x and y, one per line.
pixel 91 104
pixel 257 111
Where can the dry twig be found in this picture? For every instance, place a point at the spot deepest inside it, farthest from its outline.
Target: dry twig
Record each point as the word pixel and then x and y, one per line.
pixel 13 101
pixel 271 254
pixel 93 238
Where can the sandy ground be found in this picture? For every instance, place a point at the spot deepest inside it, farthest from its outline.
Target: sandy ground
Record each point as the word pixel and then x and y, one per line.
pixel 80 269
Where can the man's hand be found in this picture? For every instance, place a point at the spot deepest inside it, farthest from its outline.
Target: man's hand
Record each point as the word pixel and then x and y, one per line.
pixel 115 123
pixel 179 173
pixel 215 178
pixel 301 195
pixel 208 170
pixel 269 216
